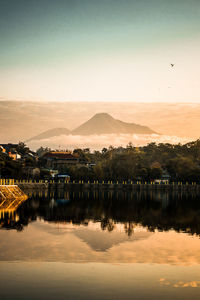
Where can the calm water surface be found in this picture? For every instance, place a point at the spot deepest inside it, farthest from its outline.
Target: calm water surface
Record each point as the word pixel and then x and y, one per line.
pixel 108 245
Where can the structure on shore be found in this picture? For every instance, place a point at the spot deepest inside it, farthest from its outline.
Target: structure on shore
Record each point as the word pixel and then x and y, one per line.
pixel 11 197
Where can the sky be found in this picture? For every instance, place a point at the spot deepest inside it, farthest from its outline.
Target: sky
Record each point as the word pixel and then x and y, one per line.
pixel 100 50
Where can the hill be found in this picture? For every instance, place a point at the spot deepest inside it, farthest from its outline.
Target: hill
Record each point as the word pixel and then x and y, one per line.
pixel 103 123
pixel 50 133
pixel 20 120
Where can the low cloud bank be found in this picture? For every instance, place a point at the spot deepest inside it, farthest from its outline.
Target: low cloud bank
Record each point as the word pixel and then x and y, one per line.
pixel 97 142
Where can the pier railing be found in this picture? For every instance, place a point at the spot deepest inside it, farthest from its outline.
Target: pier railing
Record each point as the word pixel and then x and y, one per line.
pixel 92 182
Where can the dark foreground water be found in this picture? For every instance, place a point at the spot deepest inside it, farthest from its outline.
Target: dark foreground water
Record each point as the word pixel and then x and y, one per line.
pixel 82 245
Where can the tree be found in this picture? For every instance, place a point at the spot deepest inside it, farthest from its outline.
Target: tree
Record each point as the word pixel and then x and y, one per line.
pixel 22 149
pixel 155 172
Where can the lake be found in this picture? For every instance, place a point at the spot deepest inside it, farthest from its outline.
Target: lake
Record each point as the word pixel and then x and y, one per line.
pixel 101 245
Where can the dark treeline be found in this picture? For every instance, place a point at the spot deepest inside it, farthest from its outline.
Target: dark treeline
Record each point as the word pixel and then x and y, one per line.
pixel 180 162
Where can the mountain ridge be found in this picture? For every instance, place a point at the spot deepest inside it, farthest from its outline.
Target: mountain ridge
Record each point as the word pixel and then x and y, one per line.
pixel 100 123
pixel 50 133
pixel 103 123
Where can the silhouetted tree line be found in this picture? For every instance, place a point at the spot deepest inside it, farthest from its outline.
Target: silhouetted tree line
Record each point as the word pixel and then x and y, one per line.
pixel 181 162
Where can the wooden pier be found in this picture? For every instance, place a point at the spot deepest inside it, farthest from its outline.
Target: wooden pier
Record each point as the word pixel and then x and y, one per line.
pixel 11 197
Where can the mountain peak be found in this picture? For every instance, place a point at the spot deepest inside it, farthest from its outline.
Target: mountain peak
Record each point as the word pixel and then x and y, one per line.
pixel 103 123
pixel 102 116
pixel 100 123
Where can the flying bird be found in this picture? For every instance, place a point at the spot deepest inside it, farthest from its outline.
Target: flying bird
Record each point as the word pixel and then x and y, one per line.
pixel 172 65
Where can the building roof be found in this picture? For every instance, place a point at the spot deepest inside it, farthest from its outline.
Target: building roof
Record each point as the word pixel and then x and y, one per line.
pixel 9 146
pixel 60 155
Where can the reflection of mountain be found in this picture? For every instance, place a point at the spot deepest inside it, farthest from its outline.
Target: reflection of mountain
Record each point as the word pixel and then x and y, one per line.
pixel 71 232
pixel 104 240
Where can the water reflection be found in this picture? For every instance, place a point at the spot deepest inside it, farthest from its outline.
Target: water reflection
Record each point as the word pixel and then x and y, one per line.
pixel 9 218
pixel 85 245
pixel 160 211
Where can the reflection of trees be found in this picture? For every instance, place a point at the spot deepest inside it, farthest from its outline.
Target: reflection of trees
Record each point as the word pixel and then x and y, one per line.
pixel 9 224
pixel 155 211
pixel 107 224
pixel 129 228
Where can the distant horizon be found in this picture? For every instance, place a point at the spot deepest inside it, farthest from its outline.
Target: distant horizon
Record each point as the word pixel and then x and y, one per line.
pixel 103 101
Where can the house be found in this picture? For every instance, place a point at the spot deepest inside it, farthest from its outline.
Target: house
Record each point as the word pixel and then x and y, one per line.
pixel 165 178
pixel 10 150
pixel 90 165
pixel 63 177
pixel 30 155
pixel 14 155
pixel 161 181
pixel 8 147
pixel 165 175
pixel 31 172
pixel 53 173
pixel 56 160
pixel 2 149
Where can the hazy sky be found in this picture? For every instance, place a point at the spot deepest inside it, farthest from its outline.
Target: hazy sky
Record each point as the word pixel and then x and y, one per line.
pixel 100 50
